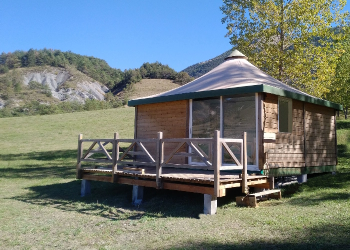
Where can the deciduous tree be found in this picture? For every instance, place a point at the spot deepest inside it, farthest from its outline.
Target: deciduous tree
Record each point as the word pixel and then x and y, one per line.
pixel 292 40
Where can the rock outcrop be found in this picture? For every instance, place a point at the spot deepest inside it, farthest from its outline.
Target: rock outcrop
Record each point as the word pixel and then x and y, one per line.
pixel 55 79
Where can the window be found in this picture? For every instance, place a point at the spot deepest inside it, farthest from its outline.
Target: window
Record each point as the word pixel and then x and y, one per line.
pixel 285 119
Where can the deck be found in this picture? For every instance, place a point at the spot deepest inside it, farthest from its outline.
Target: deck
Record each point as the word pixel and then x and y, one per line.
pixel 143 162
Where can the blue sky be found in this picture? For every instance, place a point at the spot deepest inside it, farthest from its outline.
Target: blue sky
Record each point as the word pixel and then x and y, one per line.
pixel 125 33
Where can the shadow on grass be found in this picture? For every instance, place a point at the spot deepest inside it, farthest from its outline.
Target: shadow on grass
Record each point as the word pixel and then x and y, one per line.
pixel 323 188
pixel 327 236
pixel 113 201
pixel 343 124
pixel 49 164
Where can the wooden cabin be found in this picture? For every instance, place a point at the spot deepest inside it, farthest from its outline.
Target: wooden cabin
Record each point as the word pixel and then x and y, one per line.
pixel 289 132
pixel 232 127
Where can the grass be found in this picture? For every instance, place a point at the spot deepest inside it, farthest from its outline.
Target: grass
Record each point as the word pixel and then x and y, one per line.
pixel 40 206
pixel 148 87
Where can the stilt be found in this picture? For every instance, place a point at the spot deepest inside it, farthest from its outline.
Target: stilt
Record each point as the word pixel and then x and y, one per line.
pixel 137 195
pixel 302 178
pixel 210 204
pixel 85 188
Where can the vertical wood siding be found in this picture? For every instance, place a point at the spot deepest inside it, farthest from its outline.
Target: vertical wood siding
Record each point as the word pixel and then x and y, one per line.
pixel 171 118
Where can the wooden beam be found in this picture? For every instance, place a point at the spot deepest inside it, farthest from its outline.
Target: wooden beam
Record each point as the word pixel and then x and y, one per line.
pixel 260 136
pixel 244 171
pixel 127 150
pixel 230 153
pixel 91 177
pixel 146 151
pixel 159 159
pixel 336 143
pixel 217 162
pixel 174 151
pixel 115 156
pixel 90 148
pixel 130 181
pixel 189 188
pixel 80 154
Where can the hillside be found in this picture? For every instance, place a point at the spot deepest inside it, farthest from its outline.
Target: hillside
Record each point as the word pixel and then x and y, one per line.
pixel 51 81
pixel 148 87
pixel 199 69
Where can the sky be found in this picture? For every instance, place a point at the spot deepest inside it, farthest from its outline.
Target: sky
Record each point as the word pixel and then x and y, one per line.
pixel 124 33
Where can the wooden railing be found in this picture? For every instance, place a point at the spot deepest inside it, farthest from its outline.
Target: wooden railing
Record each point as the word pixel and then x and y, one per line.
pixel 137 153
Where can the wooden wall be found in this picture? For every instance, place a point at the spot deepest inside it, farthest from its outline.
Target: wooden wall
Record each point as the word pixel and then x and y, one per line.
pixel 290 150
pixel 320 136
pixel 171 118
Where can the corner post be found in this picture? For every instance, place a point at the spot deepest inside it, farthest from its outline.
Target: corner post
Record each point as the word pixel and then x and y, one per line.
pixel 160 159
pixel 244 170
pixel 85 188
pixel 115 156
pixel 80 155
pixel 217 162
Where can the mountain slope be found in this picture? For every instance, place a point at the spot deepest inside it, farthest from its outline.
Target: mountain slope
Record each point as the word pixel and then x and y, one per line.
pixel 199 69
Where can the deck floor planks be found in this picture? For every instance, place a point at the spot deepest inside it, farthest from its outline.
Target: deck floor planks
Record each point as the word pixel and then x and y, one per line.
pixel 181 175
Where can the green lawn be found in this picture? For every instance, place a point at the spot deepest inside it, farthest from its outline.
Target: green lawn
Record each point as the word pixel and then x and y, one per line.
pixel 40 206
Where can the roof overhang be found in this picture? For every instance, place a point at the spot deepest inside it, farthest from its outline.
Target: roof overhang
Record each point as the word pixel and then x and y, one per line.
pixel 259 88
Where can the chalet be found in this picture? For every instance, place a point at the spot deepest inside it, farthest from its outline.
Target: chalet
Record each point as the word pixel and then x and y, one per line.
pixel 234 118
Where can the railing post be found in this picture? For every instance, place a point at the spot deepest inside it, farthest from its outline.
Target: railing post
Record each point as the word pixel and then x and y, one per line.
pixel 80 155
pixel 244 170
pixel 217 162
pixel 160 159
pixel 115 155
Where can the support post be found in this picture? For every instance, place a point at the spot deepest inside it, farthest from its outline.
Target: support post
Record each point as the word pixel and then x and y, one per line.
pixel 217 162
pixel 137 195
pixel 244 170
pixel 115 156
pixel 210 204
pixel 272 182
pixel 85 188
pixel 160 159
pixel 80 155
pixel 302 178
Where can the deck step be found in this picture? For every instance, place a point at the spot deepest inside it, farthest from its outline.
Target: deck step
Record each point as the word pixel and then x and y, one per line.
pixel 250 200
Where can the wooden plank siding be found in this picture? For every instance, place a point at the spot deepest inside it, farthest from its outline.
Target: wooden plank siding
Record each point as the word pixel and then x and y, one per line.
pixel 171 118
pixel 312 141
pixel 320 138
pixel 288 149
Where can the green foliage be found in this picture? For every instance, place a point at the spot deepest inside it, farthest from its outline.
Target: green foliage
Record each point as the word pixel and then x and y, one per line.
pixel 3 69
pixel 95 68
pixel 199 69
pixel 35 85
pixel 183 78
pixel 10 83
pixel 340 89
pixel 292 41
pixel 157 71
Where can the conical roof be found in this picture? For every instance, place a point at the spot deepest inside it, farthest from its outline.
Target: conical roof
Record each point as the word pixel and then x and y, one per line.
pixel 236 55
pixel 234 76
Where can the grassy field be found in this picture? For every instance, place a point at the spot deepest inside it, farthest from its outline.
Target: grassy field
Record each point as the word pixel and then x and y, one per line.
pixel 40 206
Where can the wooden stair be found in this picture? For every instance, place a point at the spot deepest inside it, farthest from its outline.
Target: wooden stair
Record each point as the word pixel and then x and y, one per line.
pixel 250 200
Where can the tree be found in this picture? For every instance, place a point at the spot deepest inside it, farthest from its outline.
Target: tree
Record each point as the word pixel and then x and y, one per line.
pixel 291 40
pixel 340 91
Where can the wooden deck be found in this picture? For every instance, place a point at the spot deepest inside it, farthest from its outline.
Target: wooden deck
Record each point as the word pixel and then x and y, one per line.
pixel 188 180
pixel 160 172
